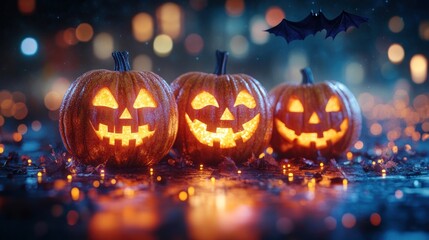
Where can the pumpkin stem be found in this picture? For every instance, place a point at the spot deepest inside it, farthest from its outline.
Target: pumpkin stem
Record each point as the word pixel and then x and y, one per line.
pixel 221 59
pixel 122 62
pixel 307 76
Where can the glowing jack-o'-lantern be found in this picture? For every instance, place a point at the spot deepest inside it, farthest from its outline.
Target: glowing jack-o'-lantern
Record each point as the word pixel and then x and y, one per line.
pixel 314 119
pixel 221 115
pixel 127 117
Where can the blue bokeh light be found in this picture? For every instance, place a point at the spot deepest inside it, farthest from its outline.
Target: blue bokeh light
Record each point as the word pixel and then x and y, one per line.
pixel 29 46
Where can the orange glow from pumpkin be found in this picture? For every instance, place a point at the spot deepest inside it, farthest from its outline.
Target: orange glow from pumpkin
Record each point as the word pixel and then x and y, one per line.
pixel 306 139
pixel 295 105
pixel 333 105
pixel 244 98
pixel 225 136
pixel 314 119
pixel 125 135
pixel 227 115
pixel 104 98
pixel 126 114
pixel 204 99
pixel 144 100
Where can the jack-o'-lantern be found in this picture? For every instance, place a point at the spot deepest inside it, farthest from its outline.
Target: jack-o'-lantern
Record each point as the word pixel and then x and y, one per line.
pixel 122 117
pixel 221 115
pixel 311 120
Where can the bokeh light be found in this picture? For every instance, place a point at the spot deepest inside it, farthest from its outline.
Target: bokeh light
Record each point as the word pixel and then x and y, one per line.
pixel 170 19
pixel 424 30
pixel 162 45
pixel 142 62
pixel 142 24
pixel 84 32
pixel 396 53
pixel 22 128
pixel 103 45
pixel 19 111
pixel 29 46
pixel 355 73
pixel 239 46
pixel 53 100
pixel 234 8
pixel 376 129
pixel 17 137
pixel 419 68
pixel 69 36
pixel 36 125
pixel 274 16
pixel 60 85
pixel 194 43
pixel 257 27
pixel 396 24
pixel 26 6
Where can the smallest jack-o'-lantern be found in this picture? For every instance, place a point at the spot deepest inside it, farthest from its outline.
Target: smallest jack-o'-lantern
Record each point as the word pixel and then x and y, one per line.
pixel 121 117
pixel 311 120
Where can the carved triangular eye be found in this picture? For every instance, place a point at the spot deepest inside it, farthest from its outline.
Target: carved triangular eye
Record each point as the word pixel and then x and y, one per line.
pixel 295 105
pixel 333 105
pixel 144 100
pixel 204 99
pixel 104 98
pixel 244 98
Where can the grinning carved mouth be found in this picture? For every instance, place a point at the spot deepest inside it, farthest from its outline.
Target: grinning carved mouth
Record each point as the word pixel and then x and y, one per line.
pixel 125 135
pixel 330 136
pixel 225 136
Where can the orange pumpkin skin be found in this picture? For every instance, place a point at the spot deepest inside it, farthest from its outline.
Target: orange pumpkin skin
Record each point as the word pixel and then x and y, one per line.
pixel 124 118
pixel 233 120
pixel 312 120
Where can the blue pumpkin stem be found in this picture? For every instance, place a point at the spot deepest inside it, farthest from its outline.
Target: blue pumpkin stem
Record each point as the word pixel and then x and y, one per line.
pixel 307 75
pixel 122 62
pixel 221 59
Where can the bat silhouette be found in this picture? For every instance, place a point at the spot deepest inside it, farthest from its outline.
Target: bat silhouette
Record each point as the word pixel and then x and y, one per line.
pixel 316 22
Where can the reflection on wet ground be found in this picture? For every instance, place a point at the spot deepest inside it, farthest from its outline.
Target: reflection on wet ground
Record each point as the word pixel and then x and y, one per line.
pixel 365 197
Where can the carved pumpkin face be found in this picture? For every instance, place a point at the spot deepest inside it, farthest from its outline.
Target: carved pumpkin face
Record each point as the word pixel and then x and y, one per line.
pixel 130 126
pixel 305 127
pixel 210 130
pixel 221 115
pixel 122 117
pixel 309 119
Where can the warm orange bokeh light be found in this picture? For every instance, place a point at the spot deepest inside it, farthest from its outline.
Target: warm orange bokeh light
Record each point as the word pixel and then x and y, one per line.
pixel 69 36
pixel 375 219
pixel 396 53
pixel 84 32
pixel 234 8
pixel 169 17
pixel 274 16
pixel 142 24
pixel 419 68
pixel 26 6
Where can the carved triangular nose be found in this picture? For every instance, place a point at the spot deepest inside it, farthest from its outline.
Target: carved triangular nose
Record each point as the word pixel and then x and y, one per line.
pixel 227 115
pixel 126 114
pixel 314 119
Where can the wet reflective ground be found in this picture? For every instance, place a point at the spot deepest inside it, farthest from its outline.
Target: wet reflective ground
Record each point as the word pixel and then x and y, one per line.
pixel 378 193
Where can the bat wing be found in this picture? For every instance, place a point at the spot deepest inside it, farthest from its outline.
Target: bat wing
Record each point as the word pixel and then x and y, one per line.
pixel 342 23
pixel 295 30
